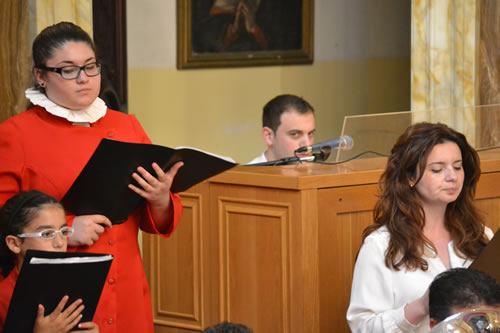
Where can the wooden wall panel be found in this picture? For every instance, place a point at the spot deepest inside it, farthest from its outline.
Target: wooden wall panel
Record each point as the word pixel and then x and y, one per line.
pixel 491 209
pixel 15 63
pixel 488 198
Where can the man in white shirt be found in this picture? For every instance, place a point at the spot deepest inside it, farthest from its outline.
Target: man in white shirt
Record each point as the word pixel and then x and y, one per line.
pixel 287 124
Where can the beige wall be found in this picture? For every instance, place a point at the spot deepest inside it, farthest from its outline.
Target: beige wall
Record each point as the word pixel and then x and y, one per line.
pixel 361 66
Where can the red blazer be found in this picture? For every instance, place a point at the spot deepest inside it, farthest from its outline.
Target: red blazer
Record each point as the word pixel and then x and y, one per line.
pixel 45 152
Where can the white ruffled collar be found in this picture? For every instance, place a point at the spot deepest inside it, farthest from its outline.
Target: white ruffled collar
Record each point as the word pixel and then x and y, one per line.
pixel 89 115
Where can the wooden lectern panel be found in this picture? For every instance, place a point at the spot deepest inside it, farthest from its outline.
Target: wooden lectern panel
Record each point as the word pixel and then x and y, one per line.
pixel 176 270
pixel 253 252
pixel 345 214
pixel 274 247
pixel 260 249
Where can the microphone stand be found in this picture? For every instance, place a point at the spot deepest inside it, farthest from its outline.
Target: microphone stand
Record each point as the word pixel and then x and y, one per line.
pixel 321 156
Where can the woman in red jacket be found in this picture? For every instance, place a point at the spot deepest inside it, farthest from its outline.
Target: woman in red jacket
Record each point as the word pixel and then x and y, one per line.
pixel 46 147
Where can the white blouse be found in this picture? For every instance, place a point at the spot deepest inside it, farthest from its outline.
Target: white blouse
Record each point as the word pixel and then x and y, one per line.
pixel 379 294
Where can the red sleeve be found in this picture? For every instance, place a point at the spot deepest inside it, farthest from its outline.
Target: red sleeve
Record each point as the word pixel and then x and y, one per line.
pixel 148 225
pixel 12 162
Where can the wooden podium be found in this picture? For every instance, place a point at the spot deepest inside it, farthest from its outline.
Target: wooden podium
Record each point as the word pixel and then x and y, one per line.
pixel 274 247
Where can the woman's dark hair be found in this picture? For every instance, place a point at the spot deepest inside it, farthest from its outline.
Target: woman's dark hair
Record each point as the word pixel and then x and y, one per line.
pixel 399 207
pixel 54 37
pixel 17 214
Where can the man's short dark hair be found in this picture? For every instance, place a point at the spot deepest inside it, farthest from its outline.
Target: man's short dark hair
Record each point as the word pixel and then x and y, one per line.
pixel 462 288
pixel 271 117
pixel 227 327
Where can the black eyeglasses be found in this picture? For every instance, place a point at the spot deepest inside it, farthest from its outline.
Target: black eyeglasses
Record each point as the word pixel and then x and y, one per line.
pixel 73 72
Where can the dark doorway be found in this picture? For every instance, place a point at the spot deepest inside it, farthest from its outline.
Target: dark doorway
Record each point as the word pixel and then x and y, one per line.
pixel 110 37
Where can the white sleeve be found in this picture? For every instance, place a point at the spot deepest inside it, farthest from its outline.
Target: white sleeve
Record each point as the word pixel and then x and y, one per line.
pixel 371 308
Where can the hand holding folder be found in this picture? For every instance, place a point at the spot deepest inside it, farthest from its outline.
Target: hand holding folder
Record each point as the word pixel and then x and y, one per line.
pixel 102 186
pixel 46 277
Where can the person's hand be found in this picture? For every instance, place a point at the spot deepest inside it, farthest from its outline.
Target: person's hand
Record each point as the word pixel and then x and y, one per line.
pixel 88 228
pixel 417 310
pixel 59 321
pixel 89 326
pixel 156 190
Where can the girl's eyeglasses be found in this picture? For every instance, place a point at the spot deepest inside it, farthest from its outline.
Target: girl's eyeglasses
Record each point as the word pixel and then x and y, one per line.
pixel 49 233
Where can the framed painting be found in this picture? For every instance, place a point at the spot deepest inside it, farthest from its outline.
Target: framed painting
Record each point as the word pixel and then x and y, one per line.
pixel 237 33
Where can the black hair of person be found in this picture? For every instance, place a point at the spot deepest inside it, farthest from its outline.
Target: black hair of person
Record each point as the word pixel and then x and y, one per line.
pixel 228 327
pixel 15 215
pixel 271 115
pixel 461 288
pixel 54 37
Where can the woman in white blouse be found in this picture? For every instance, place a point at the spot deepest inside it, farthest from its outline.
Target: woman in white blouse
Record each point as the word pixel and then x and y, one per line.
pixel 425 222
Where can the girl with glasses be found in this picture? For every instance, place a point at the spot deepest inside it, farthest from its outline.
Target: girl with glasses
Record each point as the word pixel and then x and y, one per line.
pixel 34 220
pixel 48 145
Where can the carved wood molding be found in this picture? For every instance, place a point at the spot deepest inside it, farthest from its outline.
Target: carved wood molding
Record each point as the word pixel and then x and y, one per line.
pixel 234 211
pixel 192 206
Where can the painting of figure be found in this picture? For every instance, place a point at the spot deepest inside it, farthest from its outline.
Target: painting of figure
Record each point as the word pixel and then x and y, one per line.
pixel 252 29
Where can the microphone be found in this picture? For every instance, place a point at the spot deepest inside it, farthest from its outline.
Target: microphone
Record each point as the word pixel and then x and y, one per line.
pixel 344 143
pixel 293 159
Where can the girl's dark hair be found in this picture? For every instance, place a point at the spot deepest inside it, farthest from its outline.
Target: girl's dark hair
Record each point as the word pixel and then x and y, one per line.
pixel 52 38
pixel 399 207
pixel 17 214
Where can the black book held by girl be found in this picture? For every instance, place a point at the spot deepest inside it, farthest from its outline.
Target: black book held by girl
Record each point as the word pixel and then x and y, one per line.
pixel 46 277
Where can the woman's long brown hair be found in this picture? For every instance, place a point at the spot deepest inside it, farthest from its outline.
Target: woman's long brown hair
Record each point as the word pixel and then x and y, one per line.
pixel 399 207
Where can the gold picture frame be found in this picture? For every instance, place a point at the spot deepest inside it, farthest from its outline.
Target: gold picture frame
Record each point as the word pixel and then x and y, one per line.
pixel 250 33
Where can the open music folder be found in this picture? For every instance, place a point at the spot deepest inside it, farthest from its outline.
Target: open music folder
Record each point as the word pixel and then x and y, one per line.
pixel 102 186
pixel 46 277
pixel 488 260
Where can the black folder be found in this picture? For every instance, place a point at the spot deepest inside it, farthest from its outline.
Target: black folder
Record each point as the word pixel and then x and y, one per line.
pixel 488 260
pixel 102 186
pixel 47 283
